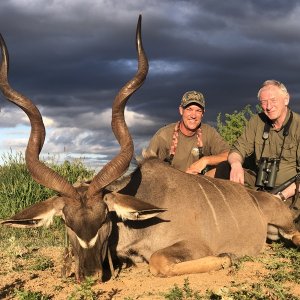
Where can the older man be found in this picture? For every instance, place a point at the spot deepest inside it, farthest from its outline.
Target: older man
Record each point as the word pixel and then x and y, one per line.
pixel 189 145
pixel 274 137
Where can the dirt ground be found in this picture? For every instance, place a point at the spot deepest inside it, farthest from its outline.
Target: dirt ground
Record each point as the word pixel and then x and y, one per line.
pixel 19 271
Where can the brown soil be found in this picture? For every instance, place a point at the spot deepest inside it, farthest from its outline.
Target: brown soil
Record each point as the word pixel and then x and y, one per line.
pixel 135 282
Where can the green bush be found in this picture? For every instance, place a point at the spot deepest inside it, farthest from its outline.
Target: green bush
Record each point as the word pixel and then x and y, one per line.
pixel 18 190
pixel 234 123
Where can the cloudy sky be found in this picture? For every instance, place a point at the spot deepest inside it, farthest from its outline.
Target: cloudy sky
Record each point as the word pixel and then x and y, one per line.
pixel 72 56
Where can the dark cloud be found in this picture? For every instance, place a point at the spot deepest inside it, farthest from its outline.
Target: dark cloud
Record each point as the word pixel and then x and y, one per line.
pixel 72 57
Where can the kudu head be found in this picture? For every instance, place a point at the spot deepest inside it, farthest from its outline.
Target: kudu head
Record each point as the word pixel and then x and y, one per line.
pixel 83 209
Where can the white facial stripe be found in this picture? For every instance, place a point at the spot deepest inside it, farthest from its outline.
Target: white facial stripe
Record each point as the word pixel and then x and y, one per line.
pixel 87 245
pixel 93 241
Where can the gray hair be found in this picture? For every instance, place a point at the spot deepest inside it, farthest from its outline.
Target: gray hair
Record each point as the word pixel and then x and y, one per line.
pixel 273 82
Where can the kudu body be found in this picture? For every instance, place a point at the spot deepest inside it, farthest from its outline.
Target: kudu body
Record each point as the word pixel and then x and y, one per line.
pixel 203 221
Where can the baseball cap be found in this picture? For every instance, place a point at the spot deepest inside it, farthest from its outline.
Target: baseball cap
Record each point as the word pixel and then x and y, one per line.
pixel 192 97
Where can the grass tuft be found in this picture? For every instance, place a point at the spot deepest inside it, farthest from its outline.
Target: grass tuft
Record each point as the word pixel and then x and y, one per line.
pixel 29 295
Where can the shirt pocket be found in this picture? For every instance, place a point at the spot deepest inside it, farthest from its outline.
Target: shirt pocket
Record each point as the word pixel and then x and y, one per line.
pixel 289 152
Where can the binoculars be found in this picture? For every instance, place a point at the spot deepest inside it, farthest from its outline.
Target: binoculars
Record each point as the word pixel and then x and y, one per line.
pixel 267 172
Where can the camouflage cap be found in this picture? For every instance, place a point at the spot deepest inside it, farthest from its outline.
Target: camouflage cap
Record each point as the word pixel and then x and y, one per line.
pixel 192 97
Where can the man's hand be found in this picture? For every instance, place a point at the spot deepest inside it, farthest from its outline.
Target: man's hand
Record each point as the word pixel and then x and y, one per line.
pixel 198 166
pixel 237 173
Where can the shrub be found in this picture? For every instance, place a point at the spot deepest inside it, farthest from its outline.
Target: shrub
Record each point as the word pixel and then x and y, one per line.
pixel 234 123
pixel 18 190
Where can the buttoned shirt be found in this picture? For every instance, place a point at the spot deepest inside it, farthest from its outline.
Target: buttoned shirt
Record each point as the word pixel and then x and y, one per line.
pixel 252 140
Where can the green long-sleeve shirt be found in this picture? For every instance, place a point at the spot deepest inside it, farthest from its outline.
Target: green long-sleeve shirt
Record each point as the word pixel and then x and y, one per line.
pixel 251 141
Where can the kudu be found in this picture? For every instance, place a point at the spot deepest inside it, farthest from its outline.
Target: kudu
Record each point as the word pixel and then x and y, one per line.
pixel 203 222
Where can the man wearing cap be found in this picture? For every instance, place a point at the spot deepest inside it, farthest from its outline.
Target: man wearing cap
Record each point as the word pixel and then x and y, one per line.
pixel 189 145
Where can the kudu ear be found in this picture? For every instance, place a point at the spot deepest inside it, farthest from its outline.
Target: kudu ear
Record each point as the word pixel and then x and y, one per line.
pixel 131 208
pixel 37 215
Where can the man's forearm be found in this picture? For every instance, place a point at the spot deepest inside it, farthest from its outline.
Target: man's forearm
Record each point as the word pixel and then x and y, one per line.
pixel 235 158
pixel 213 160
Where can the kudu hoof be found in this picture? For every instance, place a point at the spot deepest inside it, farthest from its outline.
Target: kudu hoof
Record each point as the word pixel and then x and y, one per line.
pixel 231 256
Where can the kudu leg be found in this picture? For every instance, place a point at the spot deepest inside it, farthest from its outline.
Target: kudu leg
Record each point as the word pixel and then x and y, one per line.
pixel 278 216
pixel 177 260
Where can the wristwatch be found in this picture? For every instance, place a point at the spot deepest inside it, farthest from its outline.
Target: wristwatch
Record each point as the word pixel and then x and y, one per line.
pixel 282 197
